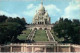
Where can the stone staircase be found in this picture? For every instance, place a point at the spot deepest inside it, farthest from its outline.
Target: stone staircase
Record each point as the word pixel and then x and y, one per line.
pixel 50 36
pixel 31 35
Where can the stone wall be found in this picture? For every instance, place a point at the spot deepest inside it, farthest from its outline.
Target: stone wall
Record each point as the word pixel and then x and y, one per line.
pixel 40 48
pixel 68 48
pixel 75 48
pixel 5 49
pixel 50 50
pixel 16 49
pixel 63 49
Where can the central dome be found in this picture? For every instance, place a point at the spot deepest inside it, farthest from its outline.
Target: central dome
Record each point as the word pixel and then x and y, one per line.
pixel 41 7
pixel 41 16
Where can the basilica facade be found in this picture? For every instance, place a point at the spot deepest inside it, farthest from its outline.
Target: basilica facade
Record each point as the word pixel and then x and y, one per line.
pixel 41 16
pixel 41 19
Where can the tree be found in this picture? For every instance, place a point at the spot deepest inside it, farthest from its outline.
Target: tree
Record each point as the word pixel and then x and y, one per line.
pixel 68 29
pixel 10 28
pixel 76 27
pixel 9 31
pixel 3 18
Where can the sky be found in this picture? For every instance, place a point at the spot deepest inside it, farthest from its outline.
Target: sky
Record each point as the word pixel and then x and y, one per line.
pixel 27 8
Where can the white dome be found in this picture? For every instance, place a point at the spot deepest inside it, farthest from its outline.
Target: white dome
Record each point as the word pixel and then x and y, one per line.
pixel 42 7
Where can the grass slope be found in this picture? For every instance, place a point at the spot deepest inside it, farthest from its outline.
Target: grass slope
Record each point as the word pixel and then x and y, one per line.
pixel 24 34
pixel 40 35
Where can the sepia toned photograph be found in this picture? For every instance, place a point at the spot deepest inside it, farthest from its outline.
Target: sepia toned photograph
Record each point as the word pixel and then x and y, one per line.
pixel 39 26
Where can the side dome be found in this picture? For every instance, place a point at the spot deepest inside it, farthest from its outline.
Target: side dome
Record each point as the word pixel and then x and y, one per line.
pixel 46 14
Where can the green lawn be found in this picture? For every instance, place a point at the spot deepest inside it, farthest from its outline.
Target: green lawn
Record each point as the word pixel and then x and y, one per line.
pixel 24 35
pixel 56 38
pixel 40 35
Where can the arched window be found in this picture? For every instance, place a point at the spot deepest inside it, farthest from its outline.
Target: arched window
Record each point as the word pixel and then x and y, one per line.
pixel 35 28
pixel 42 22
pixel 40 28
pixel 45 28
pixel 45 21
pixel 38 22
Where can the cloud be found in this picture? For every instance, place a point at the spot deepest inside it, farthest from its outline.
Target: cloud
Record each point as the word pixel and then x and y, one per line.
pixel 30 6
pixel 8 14
pixel 52 9
pixel 31 9
pixel 72 11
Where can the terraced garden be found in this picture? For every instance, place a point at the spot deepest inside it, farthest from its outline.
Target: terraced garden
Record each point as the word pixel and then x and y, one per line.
pixel 24 34
pixel 40 35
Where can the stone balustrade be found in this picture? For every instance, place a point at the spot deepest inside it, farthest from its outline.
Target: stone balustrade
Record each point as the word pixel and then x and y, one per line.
pixel 33 47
